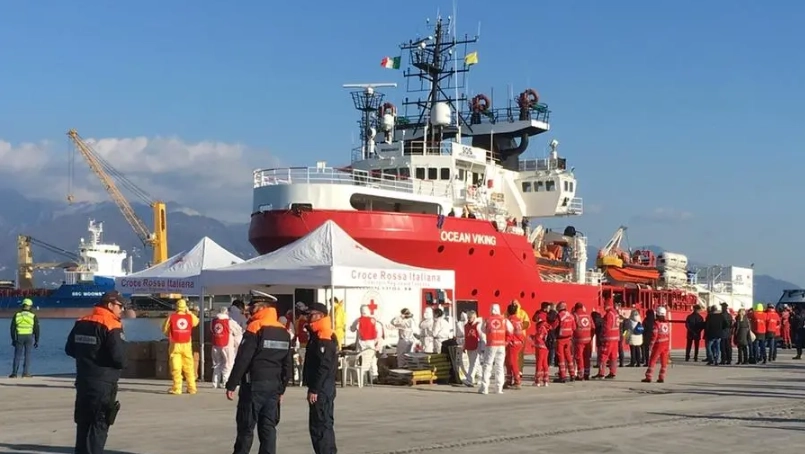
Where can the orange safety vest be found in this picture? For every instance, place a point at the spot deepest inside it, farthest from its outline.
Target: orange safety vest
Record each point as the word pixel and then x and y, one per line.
pixel 584 329
pixel 181 331
pixel 220 332
pixel 662 331
pixel 496 331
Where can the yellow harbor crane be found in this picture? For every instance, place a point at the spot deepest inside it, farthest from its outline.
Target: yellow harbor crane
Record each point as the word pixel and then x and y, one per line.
pixel 157 239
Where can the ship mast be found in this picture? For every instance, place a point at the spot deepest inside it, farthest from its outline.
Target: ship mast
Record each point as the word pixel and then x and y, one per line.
pixel 433 63
pixel 368 102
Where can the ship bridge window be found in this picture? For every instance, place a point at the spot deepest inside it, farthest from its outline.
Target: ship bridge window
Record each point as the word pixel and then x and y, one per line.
pixel 420 173
pixel 433 173
pixel 526 186
pixel 462 174
pixel 550 185
pixel 444 173
pixel 567 185
pixel 539 186
pixel 390 174
pixel 405 172
pixel 571 186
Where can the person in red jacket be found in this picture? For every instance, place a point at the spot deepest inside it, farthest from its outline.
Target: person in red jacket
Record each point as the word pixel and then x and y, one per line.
pixel 609 342
pixel 785 326
pixel 772 331
pixel 660 346
pixel 758 324
pixel 541 352
pixel 565 326
pixel 582 341
pixel 514 345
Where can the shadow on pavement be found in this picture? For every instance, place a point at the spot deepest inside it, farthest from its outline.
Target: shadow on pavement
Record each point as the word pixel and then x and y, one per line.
pixel 42 449
pixel 748 419
pixel 46 386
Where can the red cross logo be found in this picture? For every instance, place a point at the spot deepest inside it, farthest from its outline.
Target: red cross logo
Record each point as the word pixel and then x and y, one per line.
pixel 219 328
pixel 372 306
pixel 664 328
pixel 585 322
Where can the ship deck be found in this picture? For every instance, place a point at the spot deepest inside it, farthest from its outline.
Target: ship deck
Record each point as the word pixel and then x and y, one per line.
pixel 698 408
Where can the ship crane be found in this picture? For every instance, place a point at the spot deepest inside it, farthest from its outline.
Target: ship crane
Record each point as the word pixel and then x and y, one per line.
pixel 25 260
pixel 611 254
pixel 156 239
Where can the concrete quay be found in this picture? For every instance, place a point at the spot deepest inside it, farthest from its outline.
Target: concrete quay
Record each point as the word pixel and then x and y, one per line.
pixel 725 409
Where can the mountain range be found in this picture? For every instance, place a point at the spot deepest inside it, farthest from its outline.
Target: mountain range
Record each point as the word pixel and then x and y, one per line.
pixel 62 225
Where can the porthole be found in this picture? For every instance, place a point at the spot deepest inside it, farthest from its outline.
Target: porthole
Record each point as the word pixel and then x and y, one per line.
pixel 472 250
pixel 491 252
pixel 440 249
pixel 524 256
pixel 522 294
pixel 497 293
pixel 533 295
pixel 474 291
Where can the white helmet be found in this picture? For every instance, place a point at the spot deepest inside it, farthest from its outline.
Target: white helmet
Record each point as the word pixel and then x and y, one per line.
pixel 661 311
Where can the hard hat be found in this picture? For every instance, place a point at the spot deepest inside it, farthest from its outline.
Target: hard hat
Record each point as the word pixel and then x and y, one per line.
pixel 661 311
pixel 27 302
pixel 562 306
pixel 181 305
pixel 759 307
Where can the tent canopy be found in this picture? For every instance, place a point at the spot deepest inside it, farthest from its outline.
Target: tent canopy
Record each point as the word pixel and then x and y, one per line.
pixel 180 273
pixel 325 257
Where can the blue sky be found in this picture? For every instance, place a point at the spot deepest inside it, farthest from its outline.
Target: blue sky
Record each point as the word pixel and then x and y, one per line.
pixel 680 117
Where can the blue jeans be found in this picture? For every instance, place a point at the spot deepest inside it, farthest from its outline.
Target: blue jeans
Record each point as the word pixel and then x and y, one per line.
pixel 771 348
pixel 25 343
pixel 760 350
pixel 714 349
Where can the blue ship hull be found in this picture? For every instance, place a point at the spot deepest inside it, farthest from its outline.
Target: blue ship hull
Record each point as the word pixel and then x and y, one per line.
pixel 72 296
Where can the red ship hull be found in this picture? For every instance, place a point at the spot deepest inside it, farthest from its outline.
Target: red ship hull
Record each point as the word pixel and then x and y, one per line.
pixel 485 273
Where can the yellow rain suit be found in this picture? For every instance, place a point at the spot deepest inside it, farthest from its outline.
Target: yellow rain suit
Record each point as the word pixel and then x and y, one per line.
pixel 340 320
pixel 526 321
pixel 179 330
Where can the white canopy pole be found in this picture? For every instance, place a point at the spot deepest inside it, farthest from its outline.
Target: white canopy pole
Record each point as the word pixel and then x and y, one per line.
pixel 202 307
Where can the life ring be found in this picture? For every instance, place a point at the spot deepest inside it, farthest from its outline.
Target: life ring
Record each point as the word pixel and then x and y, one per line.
pixel 480 103
pixel 387 108
pixel 528 98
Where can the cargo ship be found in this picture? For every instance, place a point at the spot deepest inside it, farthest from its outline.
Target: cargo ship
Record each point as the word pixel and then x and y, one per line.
pixel 87 275
pixel 441 182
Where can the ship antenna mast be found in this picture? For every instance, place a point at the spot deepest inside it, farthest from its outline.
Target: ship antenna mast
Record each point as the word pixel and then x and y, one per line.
pixel 368 102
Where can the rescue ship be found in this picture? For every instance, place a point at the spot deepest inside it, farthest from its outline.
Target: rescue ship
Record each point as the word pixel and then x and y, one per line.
pixel 439 182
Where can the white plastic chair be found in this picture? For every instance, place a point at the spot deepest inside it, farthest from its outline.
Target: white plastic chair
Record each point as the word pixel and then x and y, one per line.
pixel 360 365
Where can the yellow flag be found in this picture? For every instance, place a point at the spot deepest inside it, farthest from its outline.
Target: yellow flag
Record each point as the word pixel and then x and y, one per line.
pixel 471 59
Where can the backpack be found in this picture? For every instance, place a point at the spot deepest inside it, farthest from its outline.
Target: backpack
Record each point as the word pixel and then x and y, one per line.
pixel 638 329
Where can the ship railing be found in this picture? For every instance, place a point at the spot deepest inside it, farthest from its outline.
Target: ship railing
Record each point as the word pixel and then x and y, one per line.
pixel 539 112
pixel 408 148
pixel 330 175
pixel 575 206
pixel 542 165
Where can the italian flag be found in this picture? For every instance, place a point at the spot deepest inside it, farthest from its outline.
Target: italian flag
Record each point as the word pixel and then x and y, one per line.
pixel 390 62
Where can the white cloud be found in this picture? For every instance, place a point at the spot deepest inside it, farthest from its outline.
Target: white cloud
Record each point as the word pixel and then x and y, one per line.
pixel 212 178
pixel 665 215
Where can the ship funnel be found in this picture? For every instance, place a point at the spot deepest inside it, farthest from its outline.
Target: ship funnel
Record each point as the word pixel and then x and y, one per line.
pixel 440 114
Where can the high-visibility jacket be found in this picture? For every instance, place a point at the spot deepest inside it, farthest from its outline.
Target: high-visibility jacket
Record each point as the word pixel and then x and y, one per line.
pixel 24 322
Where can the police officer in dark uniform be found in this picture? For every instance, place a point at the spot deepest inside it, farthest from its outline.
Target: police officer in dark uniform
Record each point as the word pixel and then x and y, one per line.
pixel 263 367
pixel 98 345
pixel 321 363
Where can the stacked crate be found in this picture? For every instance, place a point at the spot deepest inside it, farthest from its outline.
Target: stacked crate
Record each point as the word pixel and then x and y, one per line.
pixel 421 368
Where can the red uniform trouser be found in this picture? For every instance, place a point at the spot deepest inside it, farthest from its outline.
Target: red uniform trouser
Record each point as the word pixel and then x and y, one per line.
pixel 609 356
pixel 786 335
pixel 542 373
pixel 659 351
pixel 513 373
pixel 583 353
pixel 564 355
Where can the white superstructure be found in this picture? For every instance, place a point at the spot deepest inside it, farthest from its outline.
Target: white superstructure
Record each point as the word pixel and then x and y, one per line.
pixel 726 284
pixel 97 258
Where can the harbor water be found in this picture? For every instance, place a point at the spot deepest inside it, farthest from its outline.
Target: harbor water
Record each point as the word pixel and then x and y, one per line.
pixel 50 359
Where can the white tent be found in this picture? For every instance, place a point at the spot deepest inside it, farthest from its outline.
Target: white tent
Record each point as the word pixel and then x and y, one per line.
pixel 180 273
pixel 326 257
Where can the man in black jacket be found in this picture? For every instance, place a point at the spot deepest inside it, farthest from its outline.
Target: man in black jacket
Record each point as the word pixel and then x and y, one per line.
pixel 694 324
pixel 318 374
pixel 726 335
pixel 263 367
pixel 714 325
pixel 98 345
pixel 798 325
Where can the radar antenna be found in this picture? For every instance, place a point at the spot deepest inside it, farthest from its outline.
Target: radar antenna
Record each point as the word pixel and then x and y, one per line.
pixel 370 103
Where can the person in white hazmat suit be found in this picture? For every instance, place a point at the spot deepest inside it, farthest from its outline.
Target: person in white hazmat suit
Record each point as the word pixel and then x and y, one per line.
pixel 369 334
pixel 473 346
pixel 426 330
pixel 495 329
pixel 441 330
pixel 404 324
pixel 226 337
